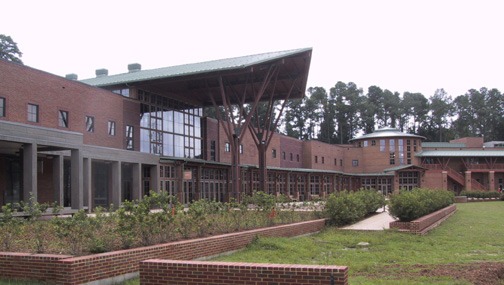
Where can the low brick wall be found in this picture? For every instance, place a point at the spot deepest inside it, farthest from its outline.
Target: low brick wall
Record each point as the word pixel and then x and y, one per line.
pixel 43 267
pixel 460 199
pixel 424 224
pixel 175 272
pixel 62 269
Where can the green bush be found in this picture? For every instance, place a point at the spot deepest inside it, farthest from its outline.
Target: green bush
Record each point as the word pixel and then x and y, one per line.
pixel 344 208
pixel 372 199
pixel 410 205
pixel 481 194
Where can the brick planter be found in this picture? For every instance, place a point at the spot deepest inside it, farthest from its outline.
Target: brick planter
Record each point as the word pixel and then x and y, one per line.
pixel 426 223
pixel 106 267
pixel 175 272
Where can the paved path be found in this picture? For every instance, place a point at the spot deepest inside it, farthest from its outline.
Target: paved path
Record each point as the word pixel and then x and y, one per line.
pixel 378 222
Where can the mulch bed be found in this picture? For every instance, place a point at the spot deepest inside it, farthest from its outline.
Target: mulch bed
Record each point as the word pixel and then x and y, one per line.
pixel 481 273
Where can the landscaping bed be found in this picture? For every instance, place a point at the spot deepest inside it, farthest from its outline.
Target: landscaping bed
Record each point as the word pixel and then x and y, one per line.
pixel 426 223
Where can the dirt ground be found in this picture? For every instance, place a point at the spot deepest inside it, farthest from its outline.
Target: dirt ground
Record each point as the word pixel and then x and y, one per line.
pixel 484 273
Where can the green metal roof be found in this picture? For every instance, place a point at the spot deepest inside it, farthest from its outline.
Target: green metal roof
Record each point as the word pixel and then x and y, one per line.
pixel 401 167
pixel 443 145
pixel 386 133
pixel 190 69
pixel 461 153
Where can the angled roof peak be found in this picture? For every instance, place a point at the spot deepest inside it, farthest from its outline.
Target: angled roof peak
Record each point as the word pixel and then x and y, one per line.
pixel 193 68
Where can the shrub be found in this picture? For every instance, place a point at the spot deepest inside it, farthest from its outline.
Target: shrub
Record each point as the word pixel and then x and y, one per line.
pixel 372 199
pixel 10 226
pixel 344 208
pixel 410 205
pixel 75 230
pixel 481 194
pixel 263 201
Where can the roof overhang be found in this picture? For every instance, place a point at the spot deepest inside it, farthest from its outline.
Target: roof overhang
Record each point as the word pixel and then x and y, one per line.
pixel 196 83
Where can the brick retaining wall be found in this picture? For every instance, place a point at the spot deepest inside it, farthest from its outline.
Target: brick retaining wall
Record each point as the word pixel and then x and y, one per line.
pixel 175 272
pixel 43 267
pixel 62 269
pixel 424 224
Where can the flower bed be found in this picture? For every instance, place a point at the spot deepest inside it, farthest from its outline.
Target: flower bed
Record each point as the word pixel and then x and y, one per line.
pixel 426 223
pixel 110 267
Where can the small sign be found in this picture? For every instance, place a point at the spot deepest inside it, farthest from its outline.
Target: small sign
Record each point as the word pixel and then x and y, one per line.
pixel 187 175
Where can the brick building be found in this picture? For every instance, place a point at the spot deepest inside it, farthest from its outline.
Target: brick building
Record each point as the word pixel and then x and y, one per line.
pixel 104 140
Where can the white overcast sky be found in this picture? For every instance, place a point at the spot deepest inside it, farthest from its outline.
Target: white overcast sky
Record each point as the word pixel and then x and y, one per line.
pixel 415 46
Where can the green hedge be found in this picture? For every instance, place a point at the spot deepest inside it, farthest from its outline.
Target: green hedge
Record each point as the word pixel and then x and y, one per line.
pixel 348 207
pixel 410 205
pixel 481 194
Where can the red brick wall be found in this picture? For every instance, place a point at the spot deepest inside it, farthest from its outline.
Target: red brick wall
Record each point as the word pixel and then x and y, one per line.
pixel 83 269
pixel 290 145
pixel 155 271
pixel 22 85
pixel 43 267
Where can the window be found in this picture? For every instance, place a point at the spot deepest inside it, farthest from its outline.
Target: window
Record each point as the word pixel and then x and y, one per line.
pixel 63 119
pixel 365 143
pixel 373 143
pixel 227 147
pixel 341 162
pixel 33 113
pixel 322 160
pixel 283 155
pixel 273 153
pixel 129 137
pixel 111 128
pixel 382 145
pixel 355 163
pixel 291 156
pixel 2 107
pixel 241 149
pixel 90 124
pixel 123 92
pixel 212 151
pixel 336 161
pixel 316 159
pixel 392 157
pixel 391 145
pixel 297 157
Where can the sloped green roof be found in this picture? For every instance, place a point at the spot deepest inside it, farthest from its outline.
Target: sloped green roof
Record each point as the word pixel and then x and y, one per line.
pixel 190 69
pixel 443 145
pixel 461 153
pixel 401 167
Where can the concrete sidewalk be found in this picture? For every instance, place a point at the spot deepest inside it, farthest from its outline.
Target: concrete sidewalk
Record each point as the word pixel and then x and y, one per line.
pixel 378 222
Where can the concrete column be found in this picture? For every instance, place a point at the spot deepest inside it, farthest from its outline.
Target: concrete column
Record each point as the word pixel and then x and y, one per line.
pixel 116 184
pixel 137 181
pixel 87 183
pixel 77 201
pixel 154 174
pixel 29 171
pixel 396 183
pixel 491 181
pixel 468 181
pixel 445 179
pixel 58 180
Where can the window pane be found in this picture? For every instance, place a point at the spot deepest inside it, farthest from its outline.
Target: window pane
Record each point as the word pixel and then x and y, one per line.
pixel 33 113
pixel 90 124
pixel 2 107
pixel 63 119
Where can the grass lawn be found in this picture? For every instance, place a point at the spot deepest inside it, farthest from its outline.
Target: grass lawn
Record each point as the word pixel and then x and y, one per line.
pixel 474 234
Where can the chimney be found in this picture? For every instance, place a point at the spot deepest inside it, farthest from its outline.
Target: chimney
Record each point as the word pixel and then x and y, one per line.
pixel 134 67
pixel 101 72
pixel 71 76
